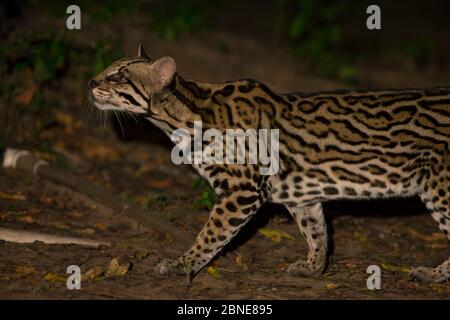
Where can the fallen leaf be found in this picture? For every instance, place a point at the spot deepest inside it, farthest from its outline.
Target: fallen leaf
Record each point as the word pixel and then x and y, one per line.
pixel 26 219
pixel 68 121
pixel 52 277
pixel 33 211
pixel 351 265
pixel 159 184
pixel 146 167
pixel 93 273
pixel 64 118
pixel 142 254
pixel 25 269
pixel 117 269
pixel 46 200
pixel 98 151
pixel 213 272
pixel 101 226
pixel 437 245
pixel 282 266
pixel 42 287
pixel 75 214
pixel 441 288
pixel 144 201
pixel 274 235
pixel 360 237
pixel 86 231
pixel 16 196
pixel 328 274
pixel 332 286
pixel 59 225
pixel 436 236
pixel 395 268
pixel 26 96
pixel 23 272
pixel 241 261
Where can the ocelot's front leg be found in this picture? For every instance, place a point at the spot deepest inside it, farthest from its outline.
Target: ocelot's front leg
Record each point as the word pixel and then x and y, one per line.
pixel 231 212
pixel 311 222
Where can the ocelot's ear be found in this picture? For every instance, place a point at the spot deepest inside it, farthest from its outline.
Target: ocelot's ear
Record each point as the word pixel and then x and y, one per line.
pixel 141 52
pixel 163 71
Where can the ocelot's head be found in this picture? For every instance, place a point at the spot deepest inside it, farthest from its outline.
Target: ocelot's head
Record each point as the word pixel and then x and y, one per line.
pixel 132 84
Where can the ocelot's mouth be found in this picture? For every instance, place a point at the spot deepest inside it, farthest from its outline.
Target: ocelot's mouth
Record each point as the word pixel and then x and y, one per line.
pixel 105 106
pixel 102 104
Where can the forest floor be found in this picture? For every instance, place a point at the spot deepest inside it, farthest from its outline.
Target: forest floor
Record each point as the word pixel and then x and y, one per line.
pixel 395 235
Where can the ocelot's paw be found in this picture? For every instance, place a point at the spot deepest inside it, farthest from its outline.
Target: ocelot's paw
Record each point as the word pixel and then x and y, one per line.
pixel 422 274
pixel 172 267
pixel 307 268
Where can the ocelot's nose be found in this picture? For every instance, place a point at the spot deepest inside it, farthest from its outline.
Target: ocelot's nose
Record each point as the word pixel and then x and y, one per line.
pixel 93 84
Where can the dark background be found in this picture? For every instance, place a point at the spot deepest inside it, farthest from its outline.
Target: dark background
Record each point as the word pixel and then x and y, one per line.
pixel 293 45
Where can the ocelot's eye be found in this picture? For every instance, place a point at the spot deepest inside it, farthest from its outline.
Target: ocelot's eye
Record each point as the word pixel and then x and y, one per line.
pixel 116 77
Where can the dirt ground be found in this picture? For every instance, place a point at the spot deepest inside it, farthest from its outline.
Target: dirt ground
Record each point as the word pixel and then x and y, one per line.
pixel 395 235
pixel 252 267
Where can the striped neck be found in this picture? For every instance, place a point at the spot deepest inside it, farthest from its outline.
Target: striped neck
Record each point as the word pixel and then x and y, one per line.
pixel 195 95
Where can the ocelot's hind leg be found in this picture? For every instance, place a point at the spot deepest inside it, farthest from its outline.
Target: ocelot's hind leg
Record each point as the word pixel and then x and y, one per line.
pixel 311 223
pixel 437 198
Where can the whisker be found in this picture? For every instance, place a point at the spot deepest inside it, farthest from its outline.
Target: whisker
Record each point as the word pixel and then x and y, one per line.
pixel 88 111
pixel 132 115
pixel 127 114
pixel 92 108
pixel 85 108
pixel 98 114
pixel 120 123
pixel 104 121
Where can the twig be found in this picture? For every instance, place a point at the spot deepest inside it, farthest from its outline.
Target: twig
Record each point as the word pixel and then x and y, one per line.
pixel 20 236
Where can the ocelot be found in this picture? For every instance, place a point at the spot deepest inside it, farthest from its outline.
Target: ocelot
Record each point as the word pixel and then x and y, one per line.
pixel 348 144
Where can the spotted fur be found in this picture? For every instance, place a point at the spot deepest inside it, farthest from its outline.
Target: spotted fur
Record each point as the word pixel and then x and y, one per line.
pixel 349 144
